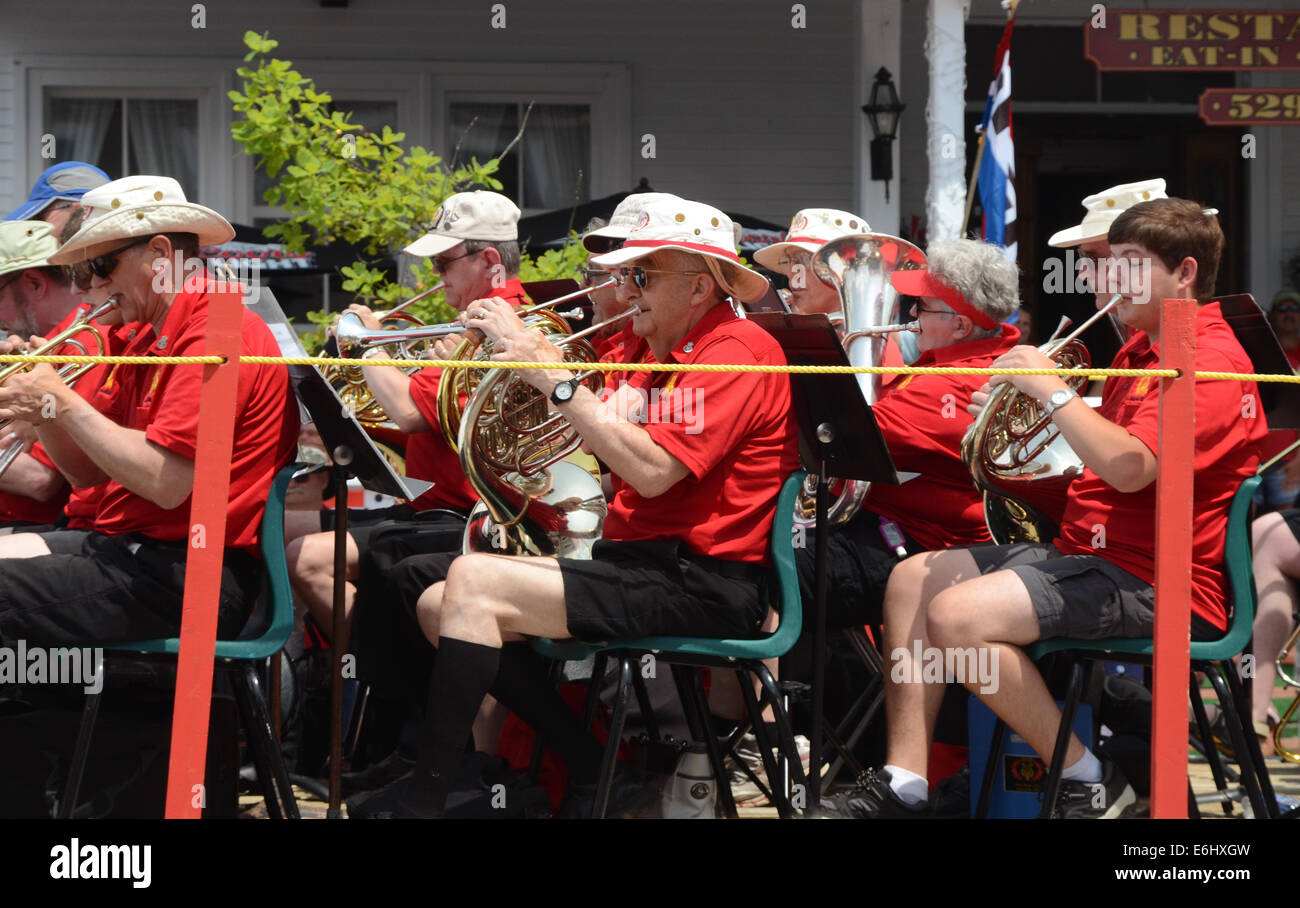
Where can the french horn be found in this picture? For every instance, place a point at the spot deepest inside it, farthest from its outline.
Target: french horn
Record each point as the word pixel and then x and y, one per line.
pixel 1017 455
pixel 858 267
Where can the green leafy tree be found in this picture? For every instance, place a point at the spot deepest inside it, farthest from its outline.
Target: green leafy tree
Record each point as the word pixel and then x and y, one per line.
pixel 338 181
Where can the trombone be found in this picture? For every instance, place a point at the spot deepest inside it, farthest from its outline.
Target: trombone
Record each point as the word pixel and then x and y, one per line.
pixel 68 373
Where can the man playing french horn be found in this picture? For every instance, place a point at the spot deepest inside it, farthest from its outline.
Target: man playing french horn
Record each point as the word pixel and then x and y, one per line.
pixel 686 539
pixel 1094 580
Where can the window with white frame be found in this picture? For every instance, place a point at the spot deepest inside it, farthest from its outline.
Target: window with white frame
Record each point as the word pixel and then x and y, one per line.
pixel 550 166
pixel 126 132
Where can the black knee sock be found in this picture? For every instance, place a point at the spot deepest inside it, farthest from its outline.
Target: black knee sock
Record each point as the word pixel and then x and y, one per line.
pixel 523 685
pixel 461 677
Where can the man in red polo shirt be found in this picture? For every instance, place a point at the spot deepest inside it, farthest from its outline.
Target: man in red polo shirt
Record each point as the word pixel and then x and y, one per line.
pixel 475 247
pixel 124 578
pixel 1094 581
pixel 696 473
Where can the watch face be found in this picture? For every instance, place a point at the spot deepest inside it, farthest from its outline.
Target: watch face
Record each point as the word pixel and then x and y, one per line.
pixel 1060 398
pixel 563 391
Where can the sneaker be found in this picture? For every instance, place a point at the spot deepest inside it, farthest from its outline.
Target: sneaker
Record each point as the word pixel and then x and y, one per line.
pixel 403 799
pixel 1104 800
pixel 747 769
pixel 950 799
pixel 631 796
pixel 376 775
pixel 872 798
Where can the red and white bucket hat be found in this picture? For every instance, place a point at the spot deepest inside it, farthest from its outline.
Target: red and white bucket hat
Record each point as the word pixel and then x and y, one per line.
pixel 810 229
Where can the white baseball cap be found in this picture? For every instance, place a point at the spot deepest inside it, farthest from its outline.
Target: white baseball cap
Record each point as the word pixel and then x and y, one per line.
pixel 142 205
pixel 624 218
pixel 478 215
pixel 810 229
pixel 674 223
pixel 1104 207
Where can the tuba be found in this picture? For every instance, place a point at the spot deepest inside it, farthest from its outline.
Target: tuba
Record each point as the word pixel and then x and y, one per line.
pixel 859 267
pixel 1016 454
pixel 68 372
pixel 532 501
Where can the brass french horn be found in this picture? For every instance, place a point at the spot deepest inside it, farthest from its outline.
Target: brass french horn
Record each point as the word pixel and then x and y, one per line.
pixel 1016 454
pixel 859 266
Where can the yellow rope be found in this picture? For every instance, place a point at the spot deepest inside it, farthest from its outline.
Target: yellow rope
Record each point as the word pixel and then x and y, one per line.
pixel 322 361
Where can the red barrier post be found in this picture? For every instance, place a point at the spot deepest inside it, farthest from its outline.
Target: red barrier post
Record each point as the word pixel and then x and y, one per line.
pixel 185 775
pixel 1174 477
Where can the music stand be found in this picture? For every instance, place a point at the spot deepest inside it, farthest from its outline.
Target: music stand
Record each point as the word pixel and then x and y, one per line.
pixel 1249 323
pixel 838 436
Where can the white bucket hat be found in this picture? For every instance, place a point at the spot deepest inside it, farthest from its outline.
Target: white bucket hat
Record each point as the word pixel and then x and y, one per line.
pixel 624 218
pixel 674 223
pixel 1104 207
pixel 810 229
pixel 479 215
pixel 25 244
pixel 141 206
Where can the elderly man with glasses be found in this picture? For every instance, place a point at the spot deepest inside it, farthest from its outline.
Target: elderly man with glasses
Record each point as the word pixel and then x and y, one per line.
pixel 123 579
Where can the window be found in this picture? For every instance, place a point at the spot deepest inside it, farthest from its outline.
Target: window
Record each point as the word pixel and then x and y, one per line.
pixel 125 134
pixel 549 168
pixel 371 116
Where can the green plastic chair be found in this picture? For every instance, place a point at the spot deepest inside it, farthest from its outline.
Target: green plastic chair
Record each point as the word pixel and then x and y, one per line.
pixel 688 654
pixel 1213 658
pixel 265 635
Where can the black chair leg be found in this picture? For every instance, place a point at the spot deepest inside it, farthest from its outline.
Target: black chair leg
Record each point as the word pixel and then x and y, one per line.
pixel 1253 753
pixel 1232 719
pixel 356 722
pixel 267 757
pixel 696 705
pixel 996 746
pixel 1078 679
pixel 643 704
pixel 81 751
pixel 616 722
pixel 798 778
pixel 1212 755
pixel 776 791
pixel 598 670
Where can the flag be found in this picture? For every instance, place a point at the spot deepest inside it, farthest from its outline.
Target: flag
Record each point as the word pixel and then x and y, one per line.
pixel 997 176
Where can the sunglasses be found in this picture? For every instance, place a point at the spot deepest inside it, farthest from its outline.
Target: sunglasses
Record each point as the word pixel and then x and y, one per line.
pixel 1286 307
pixel 441 265
pixel 638 275
pixel 101 266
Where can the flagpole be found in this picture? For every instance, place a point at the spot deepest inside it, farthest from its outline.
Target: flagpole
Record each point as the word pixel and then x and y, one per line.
pixel 974 182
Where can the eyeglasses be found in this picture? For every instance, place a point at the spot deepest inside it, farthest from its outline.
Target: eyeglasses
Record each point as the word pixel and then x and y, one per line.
pixel 595 275
pixel 441 265
pixel 918 309
pixel 789 261
pixel 101 266
pixel 638 275
pixel 1286 307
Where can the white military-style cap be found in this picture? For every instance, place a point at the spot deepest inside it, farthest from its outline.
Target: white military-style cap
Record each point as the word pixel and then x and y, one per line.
pixel 478 215
pixel 1104 207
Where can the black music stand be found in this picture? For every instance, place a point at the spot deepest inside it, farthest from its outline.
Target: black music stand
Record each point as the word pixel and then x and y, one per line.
pixel 838 436
pixel 1249 323
pixel 354 454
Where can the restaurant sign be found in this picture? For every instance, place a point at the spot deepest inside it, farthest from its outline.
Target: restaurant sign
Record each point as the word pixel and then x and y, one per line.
pixel 1174 40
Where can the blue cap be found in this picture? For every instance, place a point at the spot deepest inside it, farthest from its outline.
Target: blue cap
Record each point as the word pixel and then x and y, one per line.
pixel 68 180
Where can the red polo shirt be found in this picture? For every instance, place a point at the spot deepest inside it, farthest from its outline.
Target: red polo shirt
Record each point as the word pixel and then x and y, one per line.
pixel 734 431
pixel 96 387
pixel 1229 430
pixel 15 508
pixel 428 456
pixel 163 401
pixel 923 419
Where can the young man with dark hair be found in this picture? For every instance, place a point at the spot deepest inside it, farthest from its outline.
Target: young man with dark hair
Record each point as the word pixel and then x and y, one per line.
pixel 1094 580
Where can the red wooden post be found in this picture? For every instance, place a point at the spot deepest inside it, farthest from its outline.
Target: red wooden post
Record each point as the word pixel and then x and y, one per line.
pixel 1172 661
pixel 185 796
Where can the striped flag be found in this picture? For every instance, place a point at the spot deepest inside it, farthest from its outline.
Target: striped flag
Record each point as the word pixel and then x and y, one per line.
pixel 997 176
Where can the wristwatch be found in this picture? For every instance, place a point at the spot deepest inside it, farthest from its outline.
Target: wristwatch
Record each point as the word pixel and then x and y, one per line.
pixel 564 391
pixel 1059 399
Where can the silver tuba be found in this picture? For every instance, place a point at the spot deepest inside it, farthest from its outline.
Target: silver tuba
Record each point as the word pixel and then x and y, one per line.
pixel 859 267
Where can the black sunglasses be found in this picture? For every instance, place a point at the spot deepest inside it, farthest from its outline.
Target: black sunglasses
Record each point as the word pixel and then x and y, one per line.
pixel 101 266
pixel 638 275
pixel 441 265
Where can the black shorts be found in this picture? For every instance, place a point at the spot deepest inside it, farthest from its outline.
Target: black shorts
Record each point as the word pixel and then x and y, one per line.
pixel 1292 518
pixel 858 565
pixel 1083 596
pixel 109 589
pixel 654 588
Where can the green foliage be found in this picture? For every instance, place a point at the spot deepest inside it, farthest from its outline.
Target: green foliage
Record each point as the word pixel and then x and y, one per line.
pixel 339 181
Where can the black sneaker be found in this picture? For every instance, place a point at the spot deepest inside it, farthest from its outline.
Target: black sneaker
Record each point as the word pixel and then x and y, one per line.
pixel 872 798
pixel 950 799
pixel 376 775
pixel 407 798
pixel 631 796
pixel 1104 800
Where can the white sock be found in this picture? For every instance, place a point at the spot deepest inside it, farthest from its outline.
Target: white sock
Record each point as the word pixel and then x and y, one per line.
pixel 910 788
pixel 1087 769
